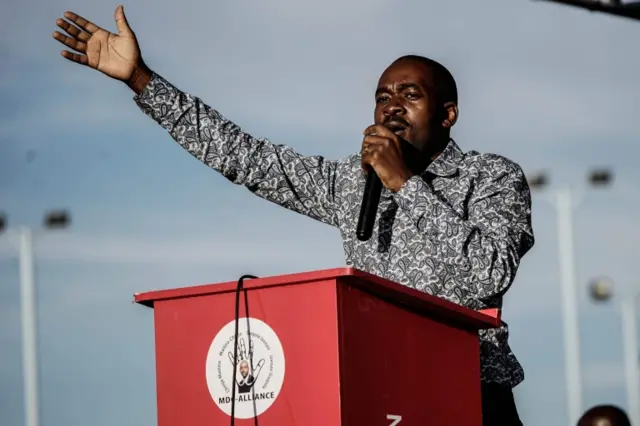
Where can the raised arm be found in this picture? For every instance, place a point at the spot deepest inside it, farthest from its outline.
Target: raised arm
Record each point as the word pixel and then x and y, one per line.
pixel 274 172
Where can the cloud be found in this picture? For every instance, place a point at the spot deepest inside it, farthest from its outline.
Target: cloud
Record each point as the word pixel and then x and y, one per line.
pixel 598 376
pixel 604 375
pixel 549 86
pixel 193 251
pixel 533 86
pixel 252 236
pixel 562 108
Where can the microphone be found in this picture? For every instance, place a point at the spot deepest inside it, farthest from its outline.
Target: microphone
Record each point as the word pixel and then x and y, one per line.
pixel 369 207
pixel 371 197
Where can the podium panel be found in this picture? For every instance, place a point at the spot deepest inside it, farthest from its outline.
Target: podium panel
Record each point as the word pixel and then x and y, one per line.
pixel 295 340
pixel 398 364
pixel 324 348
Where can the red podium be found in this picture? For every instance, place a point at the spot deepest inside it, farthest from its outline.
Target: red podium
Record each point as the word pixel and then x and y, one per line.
pixel 325 348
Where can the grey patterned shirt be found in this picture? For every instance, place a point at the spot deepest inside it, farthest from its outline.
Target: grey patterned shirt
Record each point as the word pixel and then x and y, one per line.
pixel 458 231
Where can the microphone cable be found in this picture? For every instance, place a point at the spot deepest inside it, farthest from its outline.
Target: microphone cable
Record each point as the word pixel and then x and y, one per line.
pixel 239 288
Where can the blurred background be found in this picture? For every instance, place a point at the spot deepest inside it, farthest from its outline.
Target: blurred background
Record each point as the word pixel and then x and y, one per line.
pixel 552 87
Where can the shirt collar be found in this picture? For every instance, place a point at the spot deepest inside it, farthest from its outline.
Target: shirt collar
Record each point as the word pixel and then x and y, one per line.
pixel 446 164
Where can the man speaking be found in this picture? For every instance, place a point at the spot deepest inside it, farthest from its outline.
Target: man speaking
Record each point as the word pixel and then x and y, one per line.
pixel 449 223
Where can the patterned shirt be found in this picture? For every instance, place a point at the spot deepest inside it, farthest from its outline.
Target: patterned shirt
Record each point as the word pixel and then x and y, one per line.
pixel 458 231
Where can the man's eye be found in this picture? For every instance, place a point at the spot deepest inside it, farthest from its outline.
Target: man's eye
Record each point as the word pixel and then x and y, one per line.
pixel 381 100
pixel 412 96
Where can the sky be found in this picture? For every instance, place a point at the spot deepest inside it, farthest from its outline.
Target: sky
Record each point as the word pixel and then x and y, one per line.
pixel 550 87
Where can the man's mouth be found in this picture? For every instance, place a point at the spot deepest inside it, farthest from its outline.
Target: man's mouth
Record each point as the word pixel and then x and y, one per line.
pixel 396 126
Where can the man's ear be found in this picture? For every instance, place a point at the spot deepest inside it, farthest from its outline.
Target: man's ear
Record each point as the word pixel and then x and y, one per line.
pixel 450 115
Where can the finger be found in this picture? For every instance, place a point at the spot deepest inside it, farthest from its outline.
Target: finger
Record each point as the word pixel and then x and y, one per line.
pixel 75 57
pixel 257 371
pixel 71 42
pixel 88 26
pixel 377 129
pixel 370 156
pixel 372 151
pixel 369 130
pixel 74 31
pixel 375 140
pixel 243 349
pixel 371 144
pixel 121 21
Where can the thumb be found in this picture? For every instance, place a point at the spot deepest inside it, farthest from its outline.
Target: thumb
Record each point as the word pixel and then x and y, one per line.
pixel 121 21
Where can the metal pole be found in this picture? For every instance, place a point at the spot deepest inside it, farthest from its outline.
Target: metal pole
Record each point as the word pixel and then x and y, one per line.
pixel 630 348
pixel 570 306
pixel 29 336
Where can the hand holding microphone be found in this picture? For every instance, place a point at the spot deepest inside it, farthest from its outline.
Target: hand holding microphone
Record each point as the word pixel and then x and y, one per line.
pixel 382 151
pixel 382 160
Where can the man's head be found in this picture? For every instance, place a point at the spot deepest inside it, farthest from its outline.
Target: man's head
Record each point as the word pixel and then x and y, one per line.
pixel 244 368
pixel 417 98
pixel 604 415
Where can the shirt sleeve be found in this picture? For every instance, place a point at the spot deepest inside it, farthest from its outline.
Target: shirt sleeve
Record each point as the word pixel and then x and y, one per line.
pixel 482 251
pixel 304 184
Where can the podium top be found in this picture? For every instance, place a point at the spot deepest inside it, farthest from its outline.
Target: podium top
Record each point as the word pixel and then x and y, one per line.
pixel 392 292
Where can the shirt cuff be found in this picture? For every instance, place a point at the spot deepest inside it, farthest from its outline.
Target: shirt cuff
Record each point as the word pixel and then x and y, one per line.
pixel 160 101
pixel 145 99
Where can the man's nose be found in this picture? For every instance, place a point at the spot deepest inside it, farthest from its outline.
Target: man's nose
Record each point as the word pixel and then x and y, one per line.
pixel 394 108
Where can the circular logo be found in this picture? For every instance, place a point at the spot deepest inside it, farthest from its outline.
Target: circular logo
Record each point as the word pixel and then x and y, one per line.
pixel 256 373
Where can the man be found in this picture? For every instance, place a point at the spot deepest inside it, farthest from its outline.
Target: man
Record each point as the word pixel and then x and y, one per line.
pixel 452 224
pixel 244 384
pixel 604 415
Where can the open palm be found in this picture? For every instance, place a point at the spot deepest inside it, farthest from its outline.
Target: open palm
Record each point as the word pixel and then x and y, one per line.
pixel 115 55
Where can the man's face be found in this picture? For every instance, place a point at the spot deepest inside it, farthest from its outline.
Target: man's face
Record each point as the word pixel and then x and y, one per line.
pixel 244 369
pixel 404 104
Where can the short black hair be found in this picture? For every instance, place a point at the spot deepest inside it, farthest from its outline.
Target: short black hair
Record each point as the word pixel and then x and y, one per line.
pixel 445 85
pixel 614 414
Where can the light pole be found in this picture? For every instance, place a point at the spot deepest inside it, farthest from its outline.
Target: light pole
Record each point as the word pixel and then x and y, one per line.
pixel 28 311
pixel 601 290
pixel 563 203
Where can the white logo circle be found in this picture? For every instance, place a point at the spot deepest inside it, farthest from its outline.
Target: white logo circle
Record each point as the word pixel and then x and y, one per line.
pixel 258 373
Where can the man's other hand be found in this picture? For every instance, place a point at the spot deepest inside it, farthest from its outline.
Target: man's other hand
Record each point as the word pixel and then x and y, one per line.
pixel 381 149
pixel 115 55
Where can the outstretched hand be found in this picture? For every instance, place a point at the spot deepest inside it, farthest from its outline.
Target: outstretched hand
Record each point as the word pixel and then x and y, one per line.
pixel 115 55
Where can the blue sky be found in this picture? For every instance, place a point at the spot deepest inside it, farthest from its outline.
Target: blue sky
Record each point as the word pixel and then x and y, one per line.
pixel 550 87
